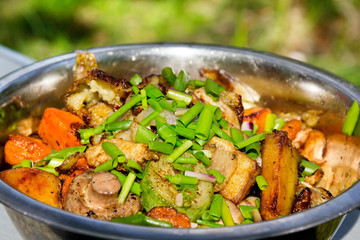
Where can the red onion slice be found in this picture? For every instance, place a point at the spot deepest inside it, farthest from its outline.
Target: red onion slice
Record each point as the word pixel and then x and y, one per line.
pixel 200 176
pixel 247 126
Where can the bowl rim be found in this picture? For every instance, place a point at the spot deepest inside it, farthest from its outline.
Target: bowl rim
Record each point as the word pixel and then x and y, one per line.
pixel 61 219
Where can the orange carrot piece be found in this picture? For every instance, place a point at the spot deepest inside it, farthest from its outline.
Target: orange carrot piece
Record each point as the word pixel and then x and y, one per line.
pixel 292 127
pixel 81 164
pixel 19 148
pixel 257 116
pixel 59 128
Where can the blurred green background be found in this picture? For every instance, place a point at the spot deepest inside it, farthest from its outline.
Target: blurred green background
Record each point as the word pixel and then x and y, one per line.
pixel 323 33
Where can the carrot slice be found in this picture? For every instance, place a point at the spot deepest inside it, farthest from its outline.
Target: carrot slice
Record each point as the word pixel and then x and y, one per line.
pixel 59 128
pixel 292 127
pixel 19 148
pixel 257 116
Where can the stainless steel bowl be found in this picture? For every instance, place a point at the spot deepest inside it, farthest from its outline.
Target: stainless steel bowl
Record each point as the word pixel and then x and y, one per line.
pixel 278 82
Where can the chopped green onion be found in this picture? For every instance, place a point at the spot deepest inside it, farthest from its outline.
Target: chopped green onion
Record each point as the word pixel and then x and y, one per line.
pixel 212 89
pixel 279 123
pixel 351 119
pixel 250 140
pixel 24 163
pixel 144 100
pixel 197 83
pixel 309 167
pixel 208 223
pixel 161 147
pixel 112 150
pixel 191 114
pixel 168 106
pixel 186 160
pixel 155 105
pixel 182 167
pixel 204 123
pixel 154 92
pixel 179 104
pixel 203 158
pixel 144 135
pixel 143 220
pixel 179 96
pixel 247 221
pixel 185 132
pixel 270 122
pixel 167 133
pixel 192 125
pixel 219 177
pixel 226 215
pixel 224 124
pixel 124 108
pixel 55 162
pixel 245 211
pixel 206 152
pixel 63 154
pixel 135 188
pixel 196 146
pixel 149 118
pixel 253 150
pixel 169 75
pixel 261 182
pixel 118 125
pixel 180 179
pixel 135 89
pixel 215 207
pixel 216 111
pixel 134 165
pixel 160 119
pixel 125 189
pixel 181 81
pixel 107 166
pixel 179 151
pixel 135 80
pixel 220 132
pixel 49 169
pixel 236 135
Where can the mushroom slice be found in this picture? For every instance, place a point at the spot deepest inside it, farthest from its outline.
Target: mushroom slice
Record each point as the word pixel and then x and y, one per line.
pixel 95 195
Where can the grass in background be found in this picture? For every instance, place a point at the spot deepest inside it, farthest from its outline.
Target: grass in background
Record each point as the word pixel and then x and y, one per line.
pixel 323 33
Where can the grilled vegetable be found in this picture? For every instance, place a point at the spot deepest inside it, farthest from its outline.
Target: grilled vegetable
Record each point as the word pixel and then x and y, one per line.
pixel 36 183
pixel 158 191
pixel 257 116
pixel 280 161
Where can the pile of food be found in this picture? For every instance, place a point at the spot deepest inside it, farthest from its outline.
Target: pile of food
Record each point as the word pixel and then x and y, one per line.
pixel 164 150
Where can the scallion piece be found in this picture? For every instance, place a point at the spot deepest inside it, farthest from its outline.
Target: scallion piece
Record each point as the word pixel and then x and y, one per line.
pixel 204 123
pixel 208 223
pixel 144 100
pixel 197 83
pixel 179 104
pixel 196 146
pixel 112 150
pixel 279 123
pixel 182 167
pixel 219 132
pixel 181 81
pixel 168 106
pixel 135 89
pixel 216 111
pixel 200 155
pixel 226 215
pixel 224 124
pixel 179 96
pixel 135 188
pixel 185 132
pixel 144 135
pixel 125 188
pixel 261 182
pixel 154 92
pixel 351 119
pixel 309 167
pixel 55 162
pixel 247 221
pixel 149 118
pixel 236 135
pixel 134 165
pixel 179 151
pixel 107 166
pixel 212 89
pixel 206 152
pixel 250 140
pixel 270 122
pixel 155 105
pixel 127 106
pixel 167 133
pixel 192 125
pixel 49 169
pixel 161 147
pixel 191 114
pixel 135 80
pixel 245 211
pixel 160 119
pixel 180 179
pixel 186 160
pixel 169 75
pixel 253 150
pixel 63 154
pixel 216 207
pixel 24 163
pixel 143 220
pixel 219 177
pixel 118 125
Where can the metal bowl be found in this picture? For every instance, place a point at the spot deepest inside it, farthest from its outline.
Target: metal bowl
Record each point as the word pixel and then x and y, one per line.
pixel 278 82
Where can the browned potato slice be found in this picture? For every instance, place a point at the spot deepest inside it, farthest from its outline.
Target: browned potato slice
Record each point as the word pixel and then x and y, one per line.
pixel 36 183
pixel 280 161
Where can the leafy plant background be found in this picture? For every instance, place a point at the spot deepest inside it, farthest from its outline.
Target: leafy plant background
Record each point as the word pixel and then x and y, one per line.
pixel 323 33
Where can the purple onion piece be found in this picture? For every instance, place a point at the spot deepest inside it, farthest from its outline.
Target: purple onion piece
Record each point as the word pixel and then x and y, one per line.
pixel 247 126
pixel 200 176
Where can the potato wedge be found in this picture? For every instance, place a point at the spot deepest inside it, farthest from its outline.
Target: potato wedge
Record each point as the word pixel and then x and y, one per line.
pixel 36 183
pixel 280 161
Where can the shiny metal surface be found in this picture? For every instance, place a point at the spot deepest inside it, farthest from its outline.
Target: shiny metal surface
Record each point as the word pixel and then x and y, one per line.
pixel 275 79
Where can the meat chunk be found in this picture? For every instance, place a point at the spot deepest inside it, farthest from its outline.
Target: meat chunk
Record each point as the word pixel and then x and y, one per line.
pixel 240 170
pixel 138 152
pixel 229 103
pixel 95 195
pixel 311 144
